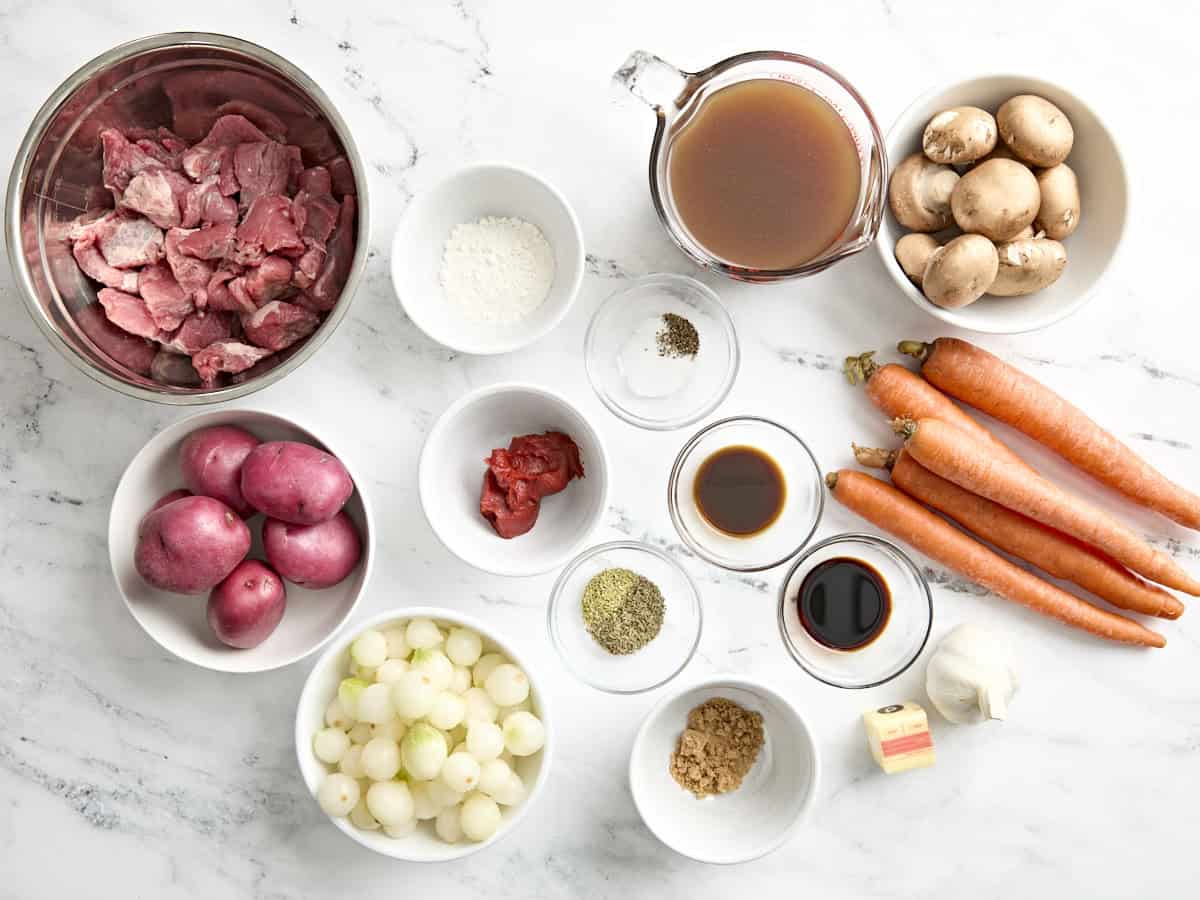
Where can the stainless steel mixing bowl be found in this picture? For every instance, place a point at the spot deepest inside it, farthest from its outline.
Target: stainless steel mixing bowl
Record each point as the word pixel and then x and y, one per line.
pixel 57 176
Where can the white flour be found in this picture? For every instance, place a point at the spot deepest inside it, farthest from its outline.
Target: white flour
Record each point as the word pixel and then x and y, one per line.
pixel 497 269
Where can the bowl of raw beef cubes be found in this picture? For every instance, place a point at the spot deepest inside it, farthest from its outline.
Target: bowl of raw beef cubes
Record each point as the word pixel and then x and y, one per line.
pixel 187 218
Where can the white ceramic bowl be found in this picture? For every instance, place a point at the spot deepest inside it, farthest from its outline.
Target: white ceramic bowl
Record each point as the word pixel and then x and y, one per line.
pixel 321 687
pixel 451 471
pixel 745 824
pixel 178 623
pixel 1096 160
pixel 487 189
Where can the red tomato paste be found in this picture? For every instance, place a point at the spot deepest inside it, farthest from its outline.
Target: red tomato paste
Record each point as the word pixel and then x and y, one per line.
pixel 534 466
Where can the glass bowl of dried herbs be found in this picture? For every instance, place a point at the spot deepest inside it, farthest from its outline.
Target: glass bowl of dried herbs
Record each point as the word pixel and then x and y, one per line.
pixel 625 617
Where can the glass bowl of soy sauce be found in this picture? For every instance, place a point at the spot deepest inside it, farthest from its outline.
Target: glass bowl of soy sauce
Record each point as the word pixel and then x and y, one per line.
pixel 855 611
pixel 745 494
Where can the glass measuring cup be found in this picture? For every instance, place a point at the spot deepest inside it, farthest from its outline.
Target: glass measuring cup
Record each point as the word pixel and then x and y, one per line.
pixel 677 96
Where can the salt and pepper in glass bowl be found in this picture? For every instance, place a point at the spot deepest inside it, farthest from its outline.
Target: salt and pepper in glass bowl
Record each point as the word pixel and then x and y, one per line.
pixel 662 353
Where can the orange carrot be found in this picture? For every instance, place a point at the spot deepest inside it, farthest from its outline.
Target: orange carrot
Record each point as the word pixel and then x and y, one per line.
pixel 901 393
pixel 1051 551
pixel 932 535
pixel 1004 392
pixel 946 451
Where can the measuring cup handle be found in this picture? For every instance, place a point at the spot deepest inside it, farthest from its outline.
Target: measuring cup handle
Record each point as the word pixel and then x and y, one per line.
pixel 652 80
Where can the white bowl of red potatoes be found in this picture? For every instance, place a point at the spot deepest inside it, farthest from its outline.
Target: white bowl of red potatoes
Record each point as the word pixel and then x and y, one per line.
pixel 240 540
pixel 1093 164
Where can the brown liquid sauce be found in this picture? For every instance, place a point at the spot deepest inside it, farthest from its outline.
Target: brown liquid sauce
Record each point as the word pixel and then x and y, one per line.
pixel 740 490
pixel 765 175
pixel 844 604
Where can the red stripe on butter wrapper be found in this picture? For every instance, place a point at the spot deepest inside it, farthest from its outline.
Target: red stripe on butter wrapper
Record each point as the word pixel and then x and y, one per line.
pixel 906 744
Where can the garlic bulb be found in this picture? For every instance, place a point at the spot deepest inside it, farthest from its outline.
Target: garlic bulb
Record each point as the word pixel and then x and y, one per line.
pixel 970 676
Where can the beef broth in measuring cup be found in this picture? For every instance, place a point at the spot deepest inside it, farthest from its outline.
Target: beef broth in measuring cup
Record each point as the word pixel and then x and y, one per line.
pixel 765 174
pixel 765 166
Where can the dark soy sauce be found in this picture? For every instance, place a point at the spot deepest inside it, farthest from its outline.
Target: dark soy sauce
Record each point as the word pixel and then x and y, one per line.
pixel 740 490
pixel 844 604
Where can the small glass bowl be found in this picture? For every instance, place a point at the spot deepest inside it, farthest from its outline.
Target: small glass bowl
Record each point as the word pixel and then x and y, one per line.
pixel 656 663
pixel 803 503
pixel 894 649
pixel 712 372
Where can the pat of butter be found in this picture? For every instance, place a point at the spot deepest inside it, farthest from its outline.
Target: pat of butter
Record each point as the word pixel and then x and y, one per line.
pixel 899 737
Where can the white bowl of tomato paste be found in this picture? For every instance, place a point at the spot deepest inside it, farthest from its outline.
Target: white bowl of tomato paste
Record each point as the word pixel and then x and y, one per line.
pixel 513 479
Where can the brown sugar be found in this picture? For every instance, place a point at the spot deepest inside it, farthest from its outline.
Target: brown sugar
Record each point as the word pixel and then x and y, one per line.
pixel 718 747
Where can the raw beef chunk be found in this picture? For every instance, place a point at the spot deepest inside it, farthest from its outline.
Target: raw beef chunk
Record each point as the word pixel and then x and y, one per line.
pixel 210 242
pixel 264 167
pixel 221 257
pixel 167 302
pixel 199 330
pixel 226 356
pixel 278 325
pixel 324 293
pixel 94 266
pixel 128 312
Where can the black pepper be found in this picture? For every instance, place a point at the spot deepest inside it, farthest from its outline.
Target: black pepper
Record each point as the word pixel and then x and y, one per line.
pixel 677 337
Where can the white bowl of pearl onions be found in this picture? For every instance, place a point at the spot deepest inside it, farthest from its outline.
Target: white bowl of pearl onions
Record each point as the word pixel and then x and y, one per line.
pixel 423 735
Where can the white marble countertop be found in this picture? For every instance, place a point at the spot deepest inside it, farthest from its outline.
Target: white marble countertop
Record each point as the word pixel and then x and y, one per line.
pixel 126 773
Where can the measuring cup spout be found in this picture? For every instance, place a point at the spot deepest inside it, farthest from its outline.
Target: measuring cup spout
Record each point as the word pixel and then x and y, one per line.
pixel 654 81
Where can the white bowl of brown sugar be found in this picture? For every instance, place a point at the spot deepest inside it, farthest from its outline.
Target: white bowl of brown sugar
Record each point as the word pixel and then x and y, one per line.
pixel 713 805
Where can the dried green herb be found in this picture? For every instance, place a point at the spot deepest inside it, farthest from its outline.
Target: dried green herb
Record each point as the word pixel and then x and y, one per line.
pixel 622 610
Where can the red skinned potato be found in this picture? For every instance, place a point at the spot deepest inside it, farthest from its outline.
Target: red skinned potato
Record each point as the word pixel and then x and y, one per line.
pixel 295 482
pixel 211 459
pixel 245 608
pixel 316 556
pixel 168 497
pixel 190 545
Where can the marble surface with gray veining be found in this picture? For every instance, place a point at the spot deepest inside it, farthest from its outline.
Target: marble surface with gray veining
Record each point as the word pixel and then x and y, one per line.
pixel 127 773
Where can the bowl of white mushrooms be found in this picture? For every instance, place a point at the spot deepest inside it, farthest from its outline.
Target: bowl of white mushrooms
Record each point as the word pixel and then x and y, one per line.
pixel 1006 203
pixel 422 735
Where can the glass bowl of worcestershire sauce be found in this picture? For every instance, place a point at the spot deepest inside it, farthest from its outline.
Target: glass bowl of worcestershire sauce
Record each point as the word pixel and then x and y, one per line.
pixel 745 494
pixel 764 166
pixel 855 611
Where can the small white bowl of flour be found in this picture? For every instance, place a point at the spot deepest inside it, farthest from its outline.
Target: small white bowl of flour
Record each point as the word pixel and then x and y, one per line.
pixel 489 260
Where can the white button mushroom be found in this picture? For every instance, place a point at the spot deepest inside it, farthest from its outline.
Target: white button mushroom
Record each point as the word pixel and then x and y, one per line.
pixel 1027 265
pixel 960 272
pixel 919 194
pixel 1058 215
pixel 996 199
pixel 959 135
pixel 1036 130
pixel 913 252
